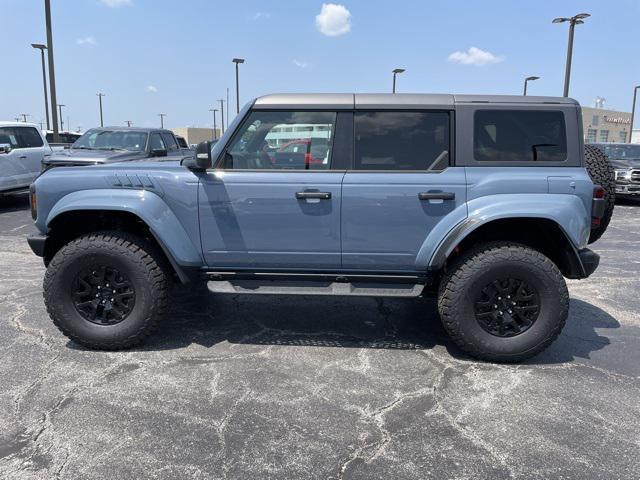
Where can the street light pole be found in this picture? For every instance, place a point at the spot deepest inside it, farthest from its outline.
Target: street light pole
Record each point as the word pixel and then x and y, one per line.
pixel 215 134
pixel 52 74
pixel 237 61
pixel 633 111
pixel 222 114
pixel 573 21
pixel 162 115
pixel 42 48
pixel 61 122
pixel 525 83
pixel 395 72
pixel 100 95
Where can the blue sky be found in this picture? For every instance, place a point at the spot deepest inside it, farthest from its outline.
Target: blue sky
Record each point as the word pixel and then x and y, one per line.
pixel 152 56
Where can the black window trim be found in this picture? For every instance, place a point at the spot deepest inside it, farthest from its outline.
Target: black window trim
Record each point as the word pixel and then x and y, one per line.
pixel 218 161
pixel 452 139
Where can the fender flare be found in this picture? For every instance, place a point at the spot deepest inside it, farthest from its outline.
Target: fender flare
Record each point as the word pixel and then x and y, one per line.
pixel 149 208
pixel 566 211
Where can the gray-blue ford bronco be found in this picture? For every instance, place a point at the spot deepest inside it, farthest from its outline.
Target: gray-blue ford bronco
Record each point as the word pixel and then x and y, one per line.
pixel 485 202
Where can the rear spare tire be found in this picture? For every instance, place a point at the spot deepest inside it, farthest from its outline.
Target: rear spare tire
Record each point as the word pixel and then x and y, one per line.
pixel 603 174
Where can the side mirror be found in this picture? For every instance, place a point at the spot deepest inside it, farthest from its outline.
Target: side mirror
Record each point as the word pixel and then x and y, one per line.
pixel 202 158
pixel 5 147
pixel 159 152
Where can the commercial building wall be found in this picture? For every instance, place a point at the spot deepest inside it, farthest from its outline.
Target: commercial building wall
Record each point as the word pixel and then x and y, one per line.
pixel 195 135
pixel 602 125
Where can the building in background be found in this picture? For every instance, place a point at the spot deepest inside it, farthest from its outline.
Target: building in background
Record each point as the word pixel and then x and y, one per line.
pixel 602 125
pixel 195 135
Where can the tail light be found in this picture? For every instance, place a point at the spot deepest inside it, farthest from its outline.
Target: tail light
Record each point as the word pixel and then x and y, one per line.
pixel 33 201
pixel 597 206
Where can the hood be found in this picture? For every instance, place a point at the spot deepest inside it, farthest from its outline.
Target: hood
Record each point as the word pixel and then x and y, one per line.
pixel 78 156
pixel 625 163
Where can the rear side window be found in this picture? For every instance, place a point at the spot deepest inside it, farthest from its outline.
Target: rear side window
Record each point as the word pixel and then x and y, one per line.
pixel 156 142
pixel 170 142
pixel 519 136
pixel 401 140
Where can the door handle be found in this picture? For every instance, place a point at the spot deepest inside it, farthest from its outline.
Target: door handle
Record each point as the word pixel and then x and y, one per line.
pixel 22 156
pixel 436 195
pixel 318 195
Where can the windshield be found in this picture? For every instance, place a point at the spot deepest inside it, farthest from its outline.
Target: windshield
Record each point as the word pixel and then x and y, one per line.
pixel 112 140
pixel 622 152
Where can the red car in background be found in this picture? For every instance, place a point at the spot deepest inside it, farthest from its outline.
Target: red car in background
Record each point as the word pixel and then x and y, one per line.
pixel 307 152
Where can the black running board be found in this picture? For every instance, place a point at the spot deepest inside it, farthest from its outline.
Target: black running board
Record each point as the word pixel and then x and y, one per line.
pixel 269 283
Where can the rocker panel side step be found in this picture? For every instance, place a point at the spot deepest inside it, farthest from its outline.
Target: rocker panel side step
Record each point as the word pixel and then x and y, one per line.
pixel 316 287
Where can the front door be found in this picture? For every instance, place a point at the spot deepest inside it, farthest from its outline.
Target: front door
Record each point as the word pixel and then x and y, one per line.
pixel 22 165
pixel 266 208
pixel 401 186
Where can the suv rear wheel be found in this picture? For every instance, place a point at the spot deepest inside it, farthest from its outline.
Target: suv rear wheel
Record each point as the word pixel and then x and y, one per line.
pixel 106 290
pixel 503 302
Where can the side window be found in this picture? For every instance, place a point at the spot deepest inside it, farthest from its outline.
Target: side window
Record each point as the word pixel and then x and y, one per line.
pixel 156 142
pixel 170 142
pixel 283 140
pixel 401 140
pixel 519 136
pixel 8 135
pixel 30 138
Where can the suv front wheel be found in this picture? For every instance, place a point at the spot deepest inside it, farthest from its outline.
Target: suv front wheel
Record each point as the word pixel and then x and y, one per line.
pixel 503 302
pixel 106 290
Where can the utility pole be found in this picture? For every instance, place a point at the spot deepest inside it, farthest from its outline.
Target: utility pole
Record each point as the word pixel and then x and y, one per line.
pixel 573 21
pixel 162 115
pixel 61 122
pixel 100 95
pixel 222 114
pixel 215 133
pixel 42 48
pixel 129 122
pixel 24 117
pixel 52 74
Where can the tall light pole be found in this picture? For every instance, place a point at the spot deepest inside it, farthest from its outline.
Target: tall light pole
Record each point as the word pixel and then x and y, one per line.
pixel 633 111
pixel 528 79
pixel 215 134
pixel 573 21
pixel 396 71
pixel 237 61
pixel 162 115
pixel 52 73
pixel 42 48
pixel 222 114
pixel 61 122
pixel 100 95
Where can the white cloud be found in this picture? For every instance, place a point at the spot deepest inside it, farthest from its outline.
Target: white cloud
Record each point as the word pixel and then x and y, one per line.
pixel 151 88
pixel 89 40
pixel 333 20
pixel 475 56
pixel 260 15
pixel 301 64
pixel 116 3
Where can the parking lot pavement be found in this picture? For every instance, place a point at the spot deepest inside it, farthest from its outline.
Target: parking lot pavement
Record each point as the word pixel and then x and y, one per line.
pixel 312 387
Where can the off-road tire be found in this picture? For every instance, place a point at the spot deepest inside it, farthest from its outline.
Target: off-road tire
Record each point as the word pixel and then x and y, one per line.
pixel 134 256
pixel 602 173
pixel 480 266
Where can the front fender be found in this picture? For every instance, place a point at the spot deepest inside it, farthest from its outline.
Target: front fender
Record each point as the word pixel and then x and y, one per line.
pixel 567 211
pixel 146 205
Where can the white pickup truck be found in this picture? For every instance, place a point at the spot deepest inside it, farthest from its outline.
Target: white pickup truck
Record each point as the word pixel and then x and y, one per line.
pixel 22 149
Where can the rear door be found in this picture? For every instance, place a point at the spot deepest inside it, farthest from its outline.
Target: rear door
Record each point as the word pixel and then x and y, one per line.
pixel 260 214
pixel 400 187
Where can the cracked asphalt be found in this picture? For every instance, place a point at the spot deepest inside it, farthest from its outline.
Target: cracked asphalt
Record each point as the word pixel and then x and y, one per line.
pixel 313 387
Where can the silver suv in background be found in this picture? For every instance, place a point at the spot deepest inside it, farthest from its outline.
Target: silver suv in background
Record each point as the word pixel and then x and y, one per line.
pixel 625 159
pixel 22 150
